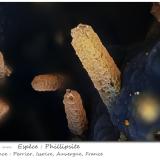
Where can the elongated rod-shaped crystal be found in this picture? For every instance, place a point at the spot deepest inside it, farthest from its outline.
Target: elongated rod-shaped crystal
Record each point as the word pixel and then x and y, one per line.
pixel 47 82
pixel 97 61
pixel 75 113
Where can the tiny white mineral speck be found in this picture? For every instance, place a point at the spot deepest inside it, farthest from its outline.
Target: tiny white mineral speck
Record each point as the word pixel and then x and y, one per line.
pixel 137 93
pixel 146 53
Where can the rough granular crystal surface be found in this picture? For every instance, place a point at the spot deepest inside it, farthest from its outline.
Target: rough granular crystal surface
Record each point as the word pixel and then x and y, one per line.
pixel 98 63
pixel 47 82
pixel 75 113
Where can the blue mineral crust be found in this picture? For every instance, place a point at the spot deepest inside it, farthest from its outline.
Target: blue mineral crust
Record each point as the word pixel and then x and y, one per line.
pixel 141 76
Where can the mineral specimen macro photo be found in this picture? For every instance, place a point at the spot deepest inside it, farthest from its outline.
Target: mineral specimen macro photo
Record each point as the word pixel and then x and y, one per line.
pixel 79 71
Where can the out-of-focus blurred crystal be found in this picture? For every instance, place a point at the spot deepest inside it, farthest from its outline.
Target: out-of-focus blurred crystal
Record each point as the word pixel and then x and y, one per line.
pixel 4 69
